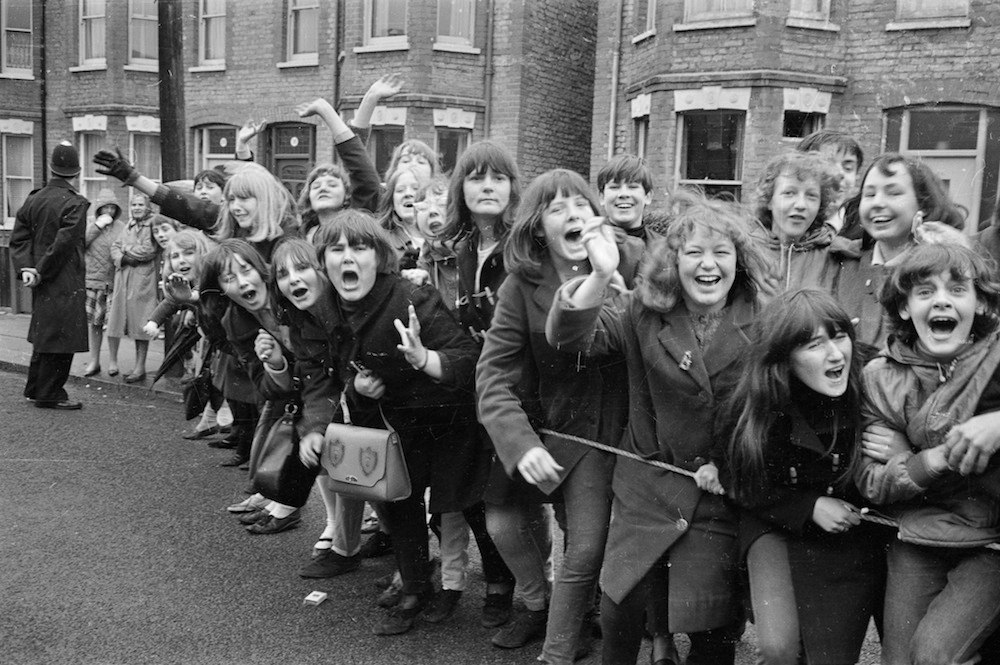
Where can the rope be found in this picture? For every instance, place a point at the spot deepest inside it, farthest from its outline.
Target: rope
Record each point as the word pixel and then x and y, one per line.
pixel 866 516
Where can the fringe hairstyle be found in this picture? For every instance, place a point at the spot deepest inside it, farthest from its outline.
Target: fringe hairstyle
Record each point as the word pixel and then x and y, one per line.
pixel 763 391
pixel 525 250
pixel 357 227
pixel 413 147
pixel 477 159
pixel 301 254
pixel 219 261
pixel 189 239
pixel 659 287
pixel 924 261
pixel 802 166
pixel 275 206
pixel 306 213
pixel 388 219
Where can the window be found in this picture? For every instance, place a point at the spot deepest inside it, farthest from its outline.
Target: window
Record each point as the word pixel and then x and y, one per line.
pixel 90 180
pixel 640 133
pixel 381 143
pixel 450 144
pixel 214 146
pixel 711 151
pixel 18 174
pixel 645 17
pixel 303 31
pixel 814 10
pixel 291 153
pixel 907 10
pixel 212 33
pixel 799 124
pixel 456 21
pixel 142 32
pixel 385 22
pixel 711 10
pixel 92 33
pixel 16 26
pixel 146 155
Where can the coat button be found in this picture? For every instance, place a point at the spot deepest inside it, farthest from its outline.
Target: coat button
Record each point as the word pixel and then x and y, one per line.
pixel 682 524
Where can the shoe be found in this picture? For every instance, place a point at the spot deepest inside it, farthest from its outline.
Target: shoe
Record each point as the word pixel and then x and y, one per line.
pixel 113 372
pixel 248 505
pixel 442 606
pixel 391 596
pixel 496 609
pixel 235 460
pixel 201 433
pixel 527 627
pixel 253 516
pixel 378 545
pixel 135 378
pixel 317 552
pixel 224 444
pixel 272 524
pixel 93 371
pixel 399 619
pixel 330 564
pixel 61 405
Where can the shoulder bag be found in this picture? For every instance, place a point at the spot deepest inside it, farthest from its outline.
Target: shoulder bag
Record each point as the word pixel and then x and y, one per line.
pixel 276 471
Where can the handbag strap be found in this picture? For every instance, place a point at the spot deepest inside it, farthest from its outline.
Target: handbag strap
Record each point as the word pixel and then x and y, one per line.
pixel 347 413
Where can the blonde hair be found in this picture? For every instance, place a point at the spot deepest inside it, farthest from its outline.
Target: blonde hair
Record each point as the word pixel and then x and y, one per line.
pixel 275 206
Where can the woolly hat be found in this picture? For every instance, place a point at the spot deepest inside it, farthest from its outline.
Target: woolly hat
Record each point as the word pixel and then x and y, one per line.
pixel 65 160
pixel 107 197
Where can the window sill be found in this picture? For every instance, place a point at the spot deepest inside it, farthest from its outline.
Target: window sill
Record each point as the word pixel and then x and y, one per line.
pixel 207 68
pixel 142 68
pixel 379 47
pixel 712 24
pixel 643 36
pixel 308 61
pixel 811 24
pixel 92 67
pixel 19 76
pixel 456 48
pixel 928 24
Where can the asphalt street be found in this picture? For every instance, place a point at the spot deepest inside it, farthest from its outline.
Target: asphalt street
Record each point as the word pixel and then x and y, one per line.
pixel 116 548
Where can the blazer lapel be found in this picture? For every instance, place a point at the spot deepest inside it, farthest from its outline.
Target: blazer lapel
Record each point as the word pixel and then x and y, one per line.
pixel 730 338
pixel 677 338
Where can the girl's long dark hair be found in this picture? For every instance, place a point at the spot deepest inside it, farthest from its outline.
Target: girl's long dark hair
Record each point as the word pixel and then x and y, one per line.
pixel 479 158
pixel 763 392
pixel 214 302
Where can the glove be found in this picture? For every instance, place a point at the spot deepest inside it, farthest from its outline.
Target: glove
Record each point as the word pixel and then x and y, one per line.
pixel 127 260
pixel 115 165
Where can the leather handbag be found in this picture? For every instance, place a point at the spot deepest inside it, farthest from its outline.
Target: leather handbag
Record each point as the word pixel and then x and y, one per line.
pixel 365 462
pixel 276 471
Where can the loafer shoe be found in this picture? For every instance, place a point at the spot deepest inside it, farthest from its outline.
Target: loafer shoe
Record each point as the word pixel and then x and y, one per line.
pixel 248 505
pixel 390 597
pixel 235 460
pixel 527 627
pixel 201 434
pixel 379 544
pixel 399 619
pixel 223 444
pixel 93 371
pixel 253 516
pixel 272 524
pixel 442 606
pixel 135 378
pixel 330 564
pixel 61 405
pixel 497 609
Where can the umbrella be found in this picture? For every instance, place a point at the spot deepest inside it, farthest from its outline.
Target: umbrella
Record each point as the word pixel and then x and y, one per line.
pixel 185 340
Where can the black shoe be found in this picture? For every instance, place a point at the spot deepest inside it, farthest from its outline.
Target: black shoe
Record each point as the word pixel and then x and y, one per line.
pixel 272 524
pixel 61 405
pixel 330 564
pixel 497 608
pixel 236 460
pixel 378 545
pixel 399 619
pixel 253 516
pixel 224 444
pixel 527 627
pixel 201 434
pixel 442 606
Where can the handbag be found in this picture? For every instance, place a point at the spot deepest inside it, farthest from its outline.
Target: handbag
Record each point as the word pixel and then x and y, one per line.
pixel 276 471
pixel 365 462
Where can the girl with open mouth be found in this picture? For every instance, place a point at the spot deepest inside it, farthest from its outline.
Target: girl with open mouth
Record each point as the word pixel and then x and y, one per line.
pixel 792 425
pixel 400 352
pixel 398 215
pixel 936 387
pixel 682 333
pixel 577 396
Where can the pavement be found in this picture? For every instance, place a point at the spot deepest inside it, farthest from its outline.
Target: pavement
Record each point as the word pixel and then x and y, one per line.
pixel 15 354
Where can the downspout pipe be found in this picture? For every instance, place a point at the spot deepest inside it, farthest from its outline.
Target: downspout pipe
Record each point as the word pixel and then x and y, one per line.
pixel 43 94
pixel 615 67
pixel 488 78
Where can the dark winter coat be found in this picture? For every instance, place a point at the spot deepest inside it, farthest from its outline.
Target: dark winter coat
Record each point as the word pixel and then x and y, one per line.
pixel 48 236
pixel 475 308
pixel 673 387
pixel 856 283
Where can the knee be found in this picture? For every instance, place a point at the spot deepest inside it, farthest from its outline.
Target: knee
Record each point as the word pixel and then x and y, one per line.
pixel 584 555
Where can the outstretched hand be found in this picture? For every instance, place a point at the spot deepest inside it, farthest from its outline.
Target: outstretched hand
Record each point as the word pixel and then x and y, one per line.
pixel 115 165
pixel 411 346
pixel 178 287
pixel 386 86
pixel 318 106
pixel 249 130
pixel 602 250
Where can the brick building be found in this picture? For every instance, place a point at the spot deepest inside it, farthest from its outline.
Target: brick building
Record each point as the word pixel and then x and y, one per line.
pixel 710 90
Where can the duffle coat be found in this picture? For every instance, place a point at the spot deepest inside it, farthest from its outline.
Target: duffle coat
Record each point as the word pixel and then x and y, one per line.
pixel 48 236
pixel 672 397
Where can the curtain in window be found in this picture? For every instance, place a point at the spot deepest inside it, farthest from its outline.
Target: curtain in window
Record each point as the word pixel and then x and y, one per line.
pixel 703 9
pixel 17 172
pixel 92 19
pixel 17 35
pixel 388 18
pixel 455 19
pixel 214 26
pixel 143 37
pixel 147 155
pixel 917 9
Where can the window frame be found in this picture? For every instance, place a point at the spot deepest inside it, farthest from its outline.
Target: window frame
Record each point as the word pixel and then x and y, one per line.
pixel 293 13
pixel 6 70
pixel 155 176
pixel 693 14
pixel 904 20
pixel 464 141
pixel 452 40
pixel 84 24
pixel 384 43
pixel 204 17
pixel 273 157
pixel 680 162
pixel 7 221
pixel 90 182
pixel 821 15
pixel 133 23
pixel 204 157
